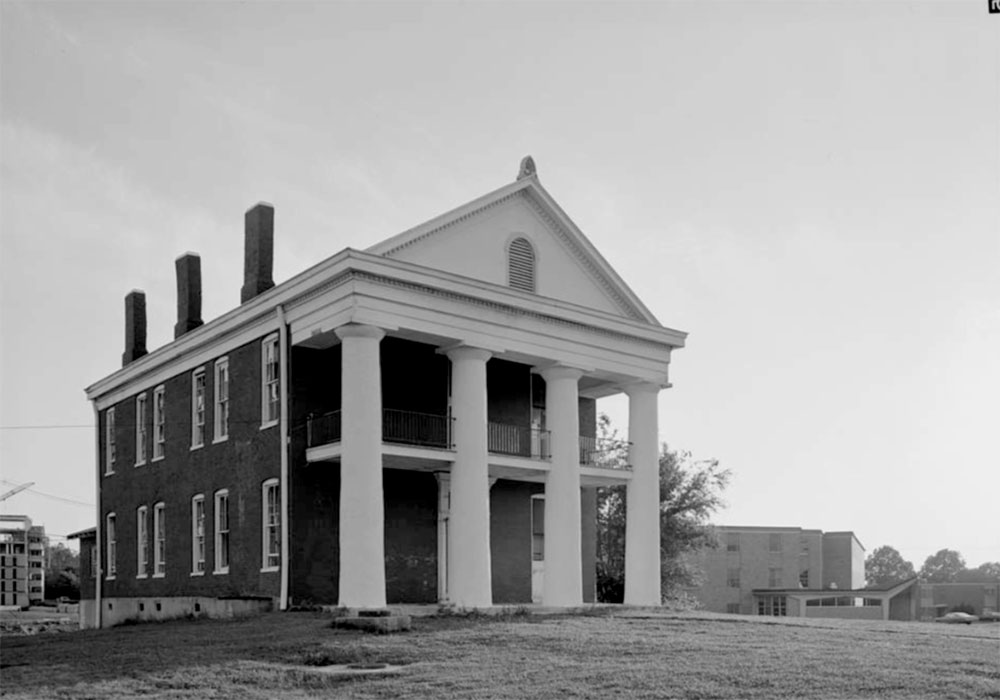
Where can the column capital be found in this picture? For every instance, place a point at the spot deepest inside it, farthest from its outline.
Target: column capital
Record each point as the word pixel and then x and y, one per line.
pixel 359 330
pixel 559 372
pixel 642 388
pixel 467 352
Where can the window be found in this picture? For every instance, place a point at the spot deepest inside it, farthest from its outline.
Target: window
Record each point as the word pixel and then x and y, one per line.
pixel 221 399
pixel 521 265
pixel 140 429
pixel 222 532
pixel 142 542
pixel 804 578
pixel 733 608
pixel 733 578
pixel 774 578
pixel 732 542
pixel 774 543
pixel 538 528
pixel 112 546
pixel 159 424
pixel 110 449
pixel 270 376
pixel 774 605
pixel 271 501
pixel 159 540
pixel 198 534
pixel 198 408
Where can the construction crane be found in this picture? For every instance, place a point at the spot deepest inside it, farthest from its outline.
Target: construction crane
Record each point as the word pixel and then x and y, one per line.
pixel 16 489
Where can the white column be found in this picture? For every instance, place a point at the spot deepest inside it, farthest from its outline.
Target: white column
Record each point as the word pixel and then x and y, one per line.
pixel 563 581
pixel 642 513
pixel 362 507
pixel 469 573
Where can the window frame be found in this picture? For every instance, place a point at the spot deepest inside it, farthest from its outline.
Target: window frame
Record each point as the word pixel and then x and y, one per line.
pixel 110 444
pixel 141 435
pixel 774 543
pixel 142 542
pixel 198 543
pixel 220 532
pixel 775 574
pixel 159 540
pixel 159 423
pixel 270 345
pixel 111 545
pixel 220 401
pixel 270 521
pixel 733 577
pixel 198 422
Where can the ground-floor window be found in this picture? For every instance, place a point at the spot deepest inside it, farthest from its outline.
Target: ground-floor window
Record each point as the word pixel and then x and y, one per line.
pixel 271 497
pixel 774 605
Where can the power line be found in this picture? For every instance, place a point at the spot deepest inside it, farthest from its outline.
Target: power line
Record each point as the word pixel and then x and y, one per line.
pixel 53 496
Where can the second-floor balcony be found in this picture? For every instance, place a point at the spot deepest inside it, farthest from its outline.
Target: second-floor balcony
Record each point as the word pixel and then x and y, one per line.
pixel 436 431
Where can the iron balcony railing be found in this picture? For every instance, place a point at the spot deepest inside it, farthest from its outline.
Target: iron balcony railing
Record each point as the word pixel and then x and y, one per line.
pixel 518 440
pixel 604 453
pixel 411 428
pixel 402 427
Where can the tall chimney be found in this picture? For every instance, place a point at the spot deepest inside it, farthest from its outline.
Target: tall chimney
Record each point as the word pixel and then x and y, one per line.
pixel 188 294
pixel 258 251
pixel 135 326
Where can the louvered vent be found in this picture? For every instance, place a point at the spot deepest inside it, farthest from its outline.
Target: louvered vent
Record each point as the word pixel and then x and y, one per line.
pixel 521 265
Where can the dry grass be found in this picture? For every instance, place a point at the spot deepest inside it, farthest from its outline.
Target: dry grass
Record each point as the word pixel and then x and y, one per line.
pixel 617 654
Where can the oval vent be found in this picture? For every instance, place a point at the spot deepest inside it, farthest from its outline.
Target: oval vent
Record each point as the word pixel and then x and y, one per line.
pixel 521 265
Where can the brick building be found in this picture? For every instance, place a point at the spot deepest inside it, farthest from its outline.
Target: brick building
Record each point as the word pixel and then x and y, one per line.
pixel 411 423
pixel 22 561
pixel 765 570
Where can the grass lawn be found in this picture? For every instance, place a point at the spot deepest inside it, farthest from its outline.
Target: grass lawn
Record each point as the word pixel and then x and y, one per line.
pixel 622 653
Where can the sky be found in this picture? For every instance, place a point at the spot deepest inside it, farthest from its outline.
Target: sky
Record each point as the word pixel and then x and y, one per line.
pixel 811 190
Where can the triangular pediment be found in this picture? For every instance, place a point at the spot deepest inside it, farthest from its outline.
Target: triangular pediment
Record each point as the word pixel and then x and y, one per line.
pixel 473 239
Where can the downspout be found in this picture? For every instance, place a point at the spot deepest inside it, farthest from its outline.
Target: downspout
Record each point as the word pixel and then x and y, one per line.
pixel 99 531
pixel 283 369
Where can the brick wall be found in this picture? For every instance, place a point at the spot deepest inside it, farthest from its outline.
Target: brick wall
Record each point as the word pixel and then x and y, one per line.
pixel 240 464
pixel 510 540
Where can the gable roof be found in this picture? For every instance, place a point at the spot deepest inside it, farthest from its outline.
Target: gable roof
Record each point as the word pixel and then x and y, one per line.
pixel 528 186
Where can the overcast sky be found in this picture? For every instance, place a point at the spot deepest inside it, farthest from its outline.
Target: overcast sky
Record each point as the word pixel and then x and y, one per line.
pixel 811 190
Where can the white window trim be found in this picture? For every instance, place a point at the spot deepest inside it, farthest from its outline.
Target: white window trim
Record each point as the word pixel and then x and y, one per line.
pixel 159 533
pixel 264 403
pixel 267 485
pixel 195 442
pixel 217 434
pixel 159 445
pixel 198 498
pixel 110 444
pixel 141 436
pixel 217 535
pixel 141 547
pixel 111 545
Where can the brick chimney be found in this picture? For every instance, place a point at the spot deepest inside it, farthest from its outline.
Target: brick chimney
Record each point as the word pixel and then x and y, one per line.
pixel 135 326
pixel 188 294
pixel 258 254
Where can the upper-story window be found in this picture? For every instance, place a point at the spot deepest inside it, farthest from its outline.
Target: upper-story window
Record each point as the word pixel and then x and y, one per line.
pixel 774 542
pixel 221 399
pixel 198 408
pixel 110 448
pixel 270 382
pixel 159 424
pixel 140 429
pixel 521 264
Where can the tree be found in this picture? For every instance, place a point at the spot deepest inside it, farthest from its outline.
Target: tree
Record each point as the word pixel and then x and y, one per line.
pixel 942 567
pixel 886 566
pixel 986 572
pixel 690 492
pixel 62 560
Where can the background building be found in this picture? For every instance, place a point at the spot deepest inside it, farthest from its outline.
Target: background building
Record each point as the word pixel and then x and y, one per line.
pixel 22 561
pixel 753 567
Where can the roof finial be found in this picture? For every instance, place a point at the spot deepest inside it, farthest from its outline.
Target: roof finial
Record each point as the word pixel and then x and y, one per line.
pixel 527 168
